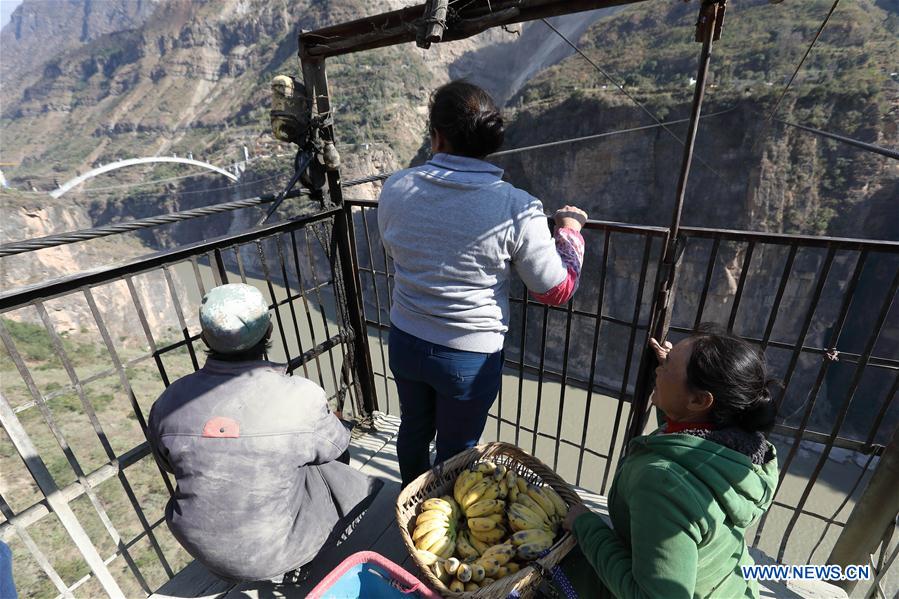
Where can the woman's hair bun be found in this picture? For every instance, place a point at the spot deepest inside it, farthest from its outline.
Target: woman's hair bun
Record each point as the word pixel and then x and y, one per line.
pixel 468 118
pixel 761 414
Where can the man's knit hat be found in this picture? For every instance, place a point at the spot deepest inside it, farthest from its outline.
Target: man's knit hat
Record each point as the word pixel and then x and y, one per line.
pixel 234 318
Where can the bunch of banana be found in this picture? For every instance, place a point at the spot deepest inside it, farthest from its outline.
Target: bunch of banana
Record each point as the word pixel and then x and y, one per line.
pixel 465 539
pixel 537 507
pixel 535 515
pixel 471 575
pixel 435 528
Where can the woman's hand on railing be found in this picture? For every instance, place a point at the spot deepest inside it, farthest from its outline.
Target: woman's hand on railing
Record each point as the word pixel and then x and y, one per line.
pixel 571 217
pixel 660 350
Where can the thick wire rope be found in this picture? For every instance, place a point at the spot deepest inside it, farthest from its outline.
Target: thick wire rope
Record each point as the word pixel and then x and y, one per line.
pixel 801 62
pixel 630 96
pixel 38 243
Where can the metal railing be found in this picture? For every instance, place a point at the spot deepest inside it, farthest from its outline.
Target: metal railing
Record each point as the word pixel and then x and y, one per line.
pixel 822 309
pixel 76 415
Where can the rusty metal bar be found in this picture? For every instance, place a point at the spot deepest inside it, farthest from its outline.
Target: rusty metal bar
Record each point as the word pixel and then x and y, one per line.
pixel 713 258
pixel 794 359
pixel 126 385
pixel 271 292
pixel 290 305
pixel 711 15
pixel 374 282
pixel 316 81
pixel 564 385
pixel 540 374
pixel 521 360
pixel 48 290
pixel 179 313
pixel 39 556
pixel 321 304
pixel 73 491
pixel 775 307
pixel 890 496
pixel 604 267
pixel 306 309
pixel 628 358
pixel 58 505
pixel 744 272
pixel 400 26
pixel 877 507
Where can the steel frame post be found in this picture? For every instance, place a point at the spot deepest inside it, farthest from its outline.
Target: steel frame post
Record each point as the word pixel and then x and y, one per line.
pixel 871 517
pixel 316 82
pixel 708 29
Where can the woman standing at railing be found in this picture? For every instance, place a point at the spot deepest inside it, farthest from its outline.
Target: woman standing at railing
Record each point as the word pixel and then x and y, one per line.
pixel 684 496
pixel 456 231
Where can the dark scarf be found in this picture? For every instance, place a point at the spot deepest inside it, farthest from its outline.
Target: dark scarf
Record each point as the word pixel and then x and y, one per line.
pixel 751 444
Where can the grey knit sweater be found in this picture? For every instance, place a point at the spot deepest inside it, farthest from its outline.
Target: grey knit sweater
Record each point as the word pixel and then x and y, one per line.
pixel 456 231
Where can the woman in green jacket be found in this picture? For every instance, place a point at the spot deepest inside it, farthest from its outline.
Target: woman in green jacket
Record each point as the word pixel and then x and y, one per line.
pixel 684 496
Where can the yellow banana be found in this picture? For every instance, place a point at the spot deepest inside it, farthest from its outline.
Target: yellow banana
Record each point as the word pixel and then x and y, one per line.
pixel 465 548
pixel 491 565
pixel 521 518
pixel 513 567
pixel 538 495
pixel 451 565
pixel 530 503
pixel 500 472
pixel 498 518
pixel 485 467
pixel 558 502
pixel 486 489
pixel 441 573
pixel 490 537
pixel 481 524
pixel 444 547
pixel 479 545
pixel 502 572
pixel 471 587
pixel 464 483
pixel 426 557
pixel 436 503
pixel 513 494
pixel 501 490
pixel 456 509
pixel 464 572
pixel 431 539
pixel 531 551
pixel 426 527
pixel 509 479
pixel 457 586
pixel 487 581
pixel 522 484
pixel 523 537
pixel 485 508
pixel 502 553
pixel 431 515
pixel 477 572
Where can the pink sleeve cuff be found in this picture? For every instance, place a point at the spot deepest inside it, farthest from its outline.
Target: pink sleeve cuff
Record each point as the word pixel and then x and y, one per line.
pixel 570 246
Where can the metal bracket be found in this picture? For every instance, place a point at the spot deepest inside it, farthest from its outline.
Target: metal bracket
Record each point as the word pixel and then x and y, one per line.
pixel 711 20
pixel 433 23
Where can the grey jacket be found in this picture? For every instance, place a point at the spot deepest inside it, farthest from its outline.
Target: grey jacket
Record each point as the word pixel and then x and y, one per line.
pixel 456 231
pixel 252 452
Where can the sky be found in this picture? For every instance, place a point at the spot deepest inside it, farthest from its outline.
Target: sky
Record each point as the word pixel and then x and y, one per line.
pixel 6 8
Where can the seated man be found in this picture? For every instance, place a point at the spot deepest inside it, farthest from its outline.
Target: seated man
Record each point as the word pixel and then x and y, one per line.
pixel 254 451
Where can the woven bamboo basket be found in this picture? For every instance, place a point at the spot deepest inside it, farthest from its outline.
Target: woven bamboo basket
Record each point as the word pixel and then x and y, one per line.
pixel 439 481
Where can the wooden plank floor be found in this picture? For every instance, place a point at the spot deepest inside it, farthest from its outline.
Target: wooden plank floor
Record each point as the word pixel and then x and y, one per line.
pixel 373 452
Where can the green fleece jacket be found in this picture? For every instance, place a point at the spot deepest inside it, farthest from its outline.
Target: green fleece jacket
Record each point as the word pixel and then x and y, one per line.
pixel 680 506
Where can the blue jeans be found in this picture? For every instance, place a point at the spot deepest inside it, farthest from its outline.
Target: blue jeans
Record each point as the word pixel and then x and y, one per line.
pixel 443 391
